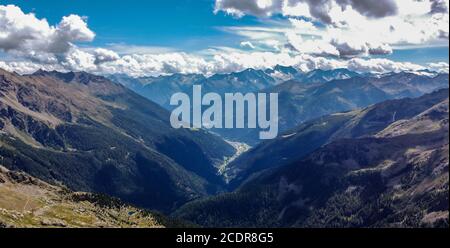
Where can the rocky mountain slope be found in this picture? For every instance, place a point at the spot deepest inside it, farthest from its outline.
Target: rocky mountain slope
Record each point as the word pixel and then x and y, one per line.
pixel 97 136
pixel 311 135
pixel 396 177
pixel 300 102
pixel 29 202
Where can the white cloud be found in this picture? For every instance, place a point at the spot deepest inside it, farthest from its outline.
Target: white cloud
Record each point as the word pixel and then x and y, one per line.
pixel 26 35
pixel 247 44
pixel 256 33
pixel 315 47
pixel 381 65
pixel 318 9
pixel 33 44
pixel 349 47
pixel 302 25
pixel 77 60
pixel 27 67
pixel 220 62
pixel 71 29
pixel 379 49
pixel 272 44
pixel 336 44
pixel 439 6
pixel 104 55
pixel 372 23
pixel 439 67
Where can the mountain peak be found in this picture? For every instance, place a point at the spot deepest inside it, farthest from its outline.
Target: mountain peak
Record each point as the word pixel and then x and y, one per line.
pixel 283 69
pixel 249 71
pixel 323 76
pixel 71 76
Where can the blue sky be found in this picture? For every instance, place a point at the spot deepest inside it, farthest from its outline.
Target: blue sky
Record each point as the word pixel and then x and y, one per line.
pixel 421 55
pixel 185 25
pixel 181 24
pixel 205 28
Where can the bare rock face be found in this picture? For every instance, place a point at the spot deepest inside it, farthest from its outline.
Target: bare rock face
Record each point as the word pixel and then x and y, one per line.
pixel 53 223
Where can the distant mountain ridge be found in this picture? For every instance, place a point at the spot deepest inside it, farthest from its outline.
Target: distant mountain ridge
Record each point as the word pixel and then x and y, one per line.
pixel 300 102
pixel 302 96
pixel 323 76
pixel 161 88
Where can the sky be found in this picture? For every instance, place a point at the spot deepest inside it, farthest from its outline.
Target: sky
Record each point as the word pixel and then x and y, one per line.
pixel 148 38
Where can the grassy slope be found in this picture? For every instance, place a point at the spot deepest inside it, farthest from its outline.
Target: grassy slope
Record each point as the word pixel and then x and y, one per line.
pixel 28 202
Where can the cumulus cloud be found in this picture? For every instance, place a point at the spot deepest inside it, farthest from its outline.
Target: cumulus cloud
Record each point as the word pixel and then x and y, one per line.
pixel 27 67
pixel 35 44
pixel 302 25
pixel 372 8
pixel 337 46
pixel 78 60
pixel 104 55
pixel 349 48
pixel 239 7
pixel 439 67
pixel 381 65
pixel 315 47
pixel 318 9
pixel 379 49
pixel 220 62
pixel 374 25
pixel 27 35
pixel 439 6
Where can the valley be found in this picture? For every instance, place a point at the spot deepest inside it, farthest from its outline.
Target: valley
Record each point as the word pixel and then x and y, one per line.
pixel 394 176
pixel 223 169
pixel 347 140
pixel 180 116
pixel 95 135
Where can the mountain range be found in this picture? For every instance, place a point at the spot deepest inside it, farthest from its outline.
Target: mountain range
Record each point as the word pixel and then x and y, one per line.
pixel 95 135
pixel 354 150
pixel 311 135
pixel 160 89
pixel 385 166
pixel 302 97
